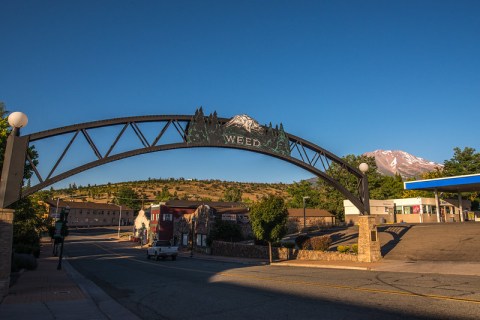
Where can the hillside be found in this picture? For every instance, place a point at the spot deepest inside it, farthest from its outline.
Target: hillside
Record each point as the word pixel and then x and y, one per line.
pixel 196 190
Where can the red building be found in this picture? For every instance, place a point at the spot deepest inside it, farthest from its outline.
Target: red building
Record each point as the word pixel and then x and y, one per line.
pixel 173 219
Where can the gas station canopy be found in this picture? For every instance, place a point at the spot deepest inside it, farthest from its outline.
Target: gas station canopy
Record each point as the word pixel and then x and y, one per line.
pixel 467 183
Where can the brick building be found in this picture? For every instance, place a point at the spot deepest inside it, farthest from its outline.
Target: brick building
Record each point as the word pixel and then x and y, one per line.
pixel 90 214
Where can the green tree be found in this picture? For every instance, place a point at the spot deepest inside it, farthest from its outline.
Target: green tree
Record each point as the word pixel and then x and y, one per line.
pixel 298 190
pixel 268 218
pixel 164 195
pixel 28 223
pixel 437 173
pixel 232 194
pixel 388 188
pixel 225 231
pixel 128 197
pixel 463 162
pixel 332 199
pixel 4 131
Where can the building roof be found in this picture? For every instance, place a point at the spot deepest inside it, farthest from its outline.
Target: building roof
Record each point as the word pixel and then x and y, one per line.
pixel 465 183
pixel 196 204
pixel 237 210
pixel 84 205
pixel 309 212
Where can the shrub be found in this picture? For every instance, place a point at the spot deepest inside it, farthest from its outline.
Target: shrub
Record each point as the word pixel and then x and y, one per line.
pixel 321 243
pixel 289 245
pixel 28 249
pixel 301 240
pixel 348 249
pixel 354 248
pixel 260 242
pixel 23 261
pixel 343 249
pixel 225 231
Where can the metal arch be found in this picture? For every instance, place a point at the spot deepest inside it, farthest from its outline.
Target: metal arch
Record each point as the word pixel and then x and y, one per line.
pixel 310 156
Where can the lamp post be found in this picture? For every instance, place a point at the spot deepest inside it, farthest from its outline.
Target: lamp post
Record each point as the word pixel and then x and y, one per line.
pixel 14 161
pixel 364 194
pixel 119 219
pixel 56 208
pixel 10 190
pixel 63 233
pixel 304 214
pixel 193 236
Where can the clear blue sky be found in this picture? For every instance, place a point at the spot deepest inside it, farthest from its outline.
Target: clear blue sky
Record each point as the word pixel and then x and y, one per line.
pixel 350 76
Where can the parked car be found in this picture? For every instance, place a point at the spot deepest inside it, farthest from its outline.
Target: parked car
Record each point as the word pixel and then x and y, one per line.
pixel 162 249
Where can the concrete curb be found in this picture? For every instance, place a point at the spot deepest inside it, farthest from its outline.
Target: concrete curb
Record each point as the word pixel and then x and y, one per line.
pixel 286 264
pixel 224 259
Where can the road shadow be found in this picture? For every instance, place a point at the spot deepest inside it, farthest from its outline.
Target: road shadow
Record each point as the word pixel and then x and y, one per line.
pixel 221 290
pixel 396 232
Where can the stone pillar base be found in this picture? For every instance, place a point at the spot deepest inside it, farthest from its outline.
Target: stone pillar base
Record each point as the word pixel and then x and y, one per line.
pixel 368 240
pixel 6 234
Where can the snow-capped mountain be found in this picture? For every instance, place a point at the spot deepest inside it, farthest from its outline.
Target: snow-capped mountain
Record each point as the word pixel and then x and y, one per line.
pixel 246 122
pixel 390 162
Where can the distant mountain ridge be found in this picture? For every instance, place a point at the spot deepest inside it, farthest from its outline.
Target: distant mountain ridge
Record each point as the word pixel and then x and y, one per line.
pixel 390 162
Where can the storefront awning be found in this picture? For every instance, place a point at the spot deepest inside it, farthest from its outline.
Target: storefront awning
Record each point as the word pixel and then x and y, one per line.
pixel 467 183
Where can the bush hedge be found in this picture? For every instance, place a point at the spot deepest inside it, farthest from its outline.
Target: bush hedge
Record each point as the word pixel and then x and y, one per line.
pixel 301 240
pixel 23 261
pixel 321 243
pixel 348 249
pixel 28 249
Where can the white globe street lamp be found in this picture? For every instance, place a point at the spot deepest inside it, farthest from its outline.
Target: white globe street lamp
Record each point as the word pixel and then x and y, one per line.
pixel 18 119
pixel 363 167
pixel 364 193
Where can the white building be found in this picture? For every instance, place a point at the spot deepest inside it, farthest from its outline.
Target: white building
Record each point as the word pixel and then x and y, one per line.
pixel 382 209
pixel 411 210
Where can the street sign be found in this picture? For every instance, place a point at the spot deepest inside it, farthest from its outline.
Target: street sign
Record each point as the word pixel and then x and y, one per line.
pixel 58 229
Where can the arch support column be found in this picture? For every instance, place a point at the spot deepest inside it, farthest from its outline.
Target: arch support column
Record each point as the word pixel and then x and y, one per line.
pixel 368 240
pixel 6 234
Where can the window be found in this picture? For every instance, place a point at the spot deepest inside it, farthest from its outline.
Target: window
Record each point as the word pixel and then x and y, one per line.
pixel 167 217
pixel 398 209
pixel 184 239
pixel 201 240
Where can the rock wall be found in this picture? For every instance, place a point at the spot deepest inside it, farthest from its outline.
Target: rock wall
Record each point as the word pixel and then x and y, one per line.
pixel 232 249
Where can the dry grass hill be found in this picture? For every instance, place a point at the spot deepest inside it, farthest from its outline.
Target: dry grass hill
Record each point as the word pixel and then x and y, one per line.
pixel 196 190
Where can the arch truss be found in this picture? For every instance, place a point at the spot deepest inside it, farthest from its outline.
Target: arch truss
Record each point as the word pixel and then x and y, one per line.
pixel 167 132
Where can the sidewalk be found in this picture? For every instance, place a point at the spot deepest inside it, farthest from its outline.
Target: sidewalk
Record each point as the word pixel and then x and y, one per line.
pixel 385 265
pixel 47 293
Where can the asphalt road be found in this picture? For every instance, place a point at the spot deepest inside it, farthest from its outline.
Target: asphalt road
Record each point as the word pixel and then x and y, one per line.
pixel 199 289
